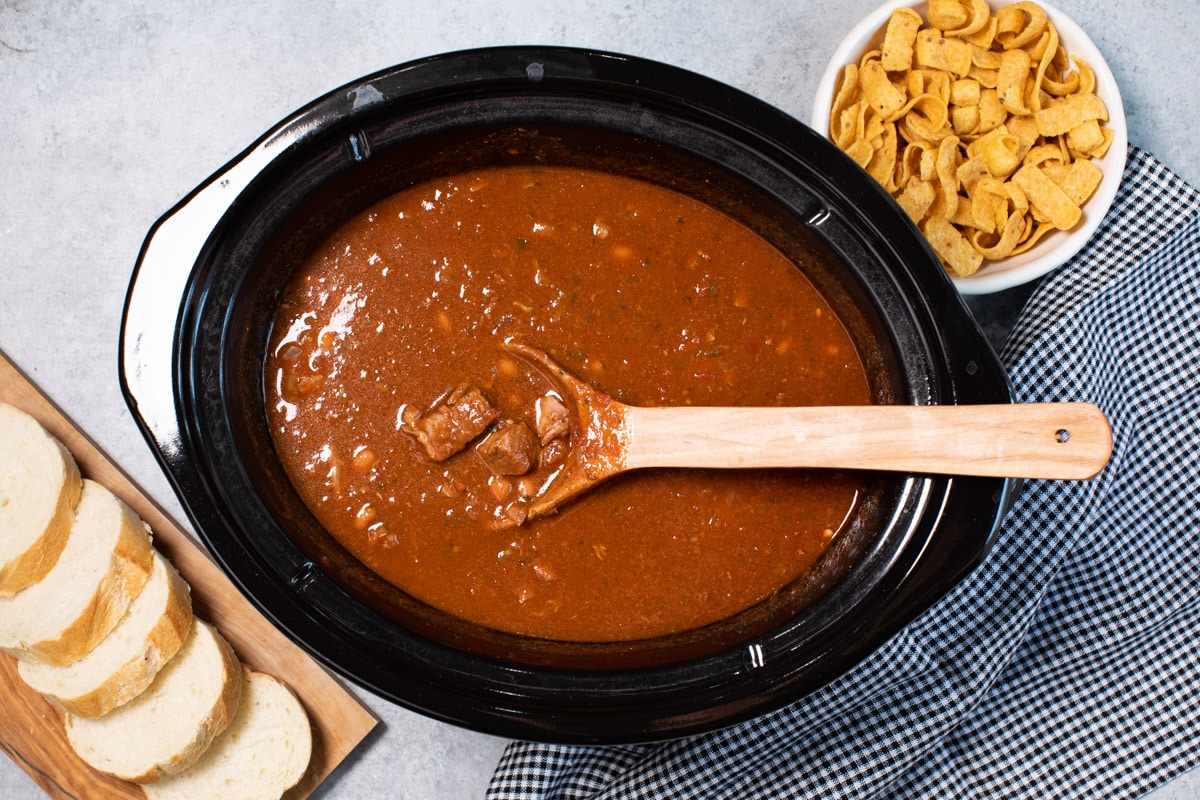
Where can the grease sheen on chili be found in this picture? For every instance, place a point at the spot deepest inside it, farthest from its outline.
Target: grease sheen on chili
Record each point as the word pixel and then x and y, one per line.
pixel 651 296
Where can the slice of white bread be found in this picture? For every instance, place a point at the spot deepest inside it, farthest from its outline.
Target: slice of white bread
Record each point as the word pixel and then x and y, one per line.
pixel 104 566
pixel 126 661
pixel 262 754
pixel 39 487
pixel 170 725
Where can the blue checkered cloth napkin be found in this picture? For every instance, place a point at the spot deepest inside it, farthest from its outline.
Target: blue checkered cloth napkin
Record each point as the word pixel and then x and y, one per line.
pixel 1068 663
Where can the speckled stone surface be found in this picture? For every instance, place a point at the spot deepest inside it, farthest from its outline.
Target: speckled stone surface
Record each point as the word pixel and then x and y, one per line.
pixel 110 112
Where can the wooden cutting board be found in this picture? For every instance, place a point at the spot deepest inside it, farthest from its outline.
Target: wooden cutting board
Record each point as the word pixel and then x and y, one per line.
pixel 31 728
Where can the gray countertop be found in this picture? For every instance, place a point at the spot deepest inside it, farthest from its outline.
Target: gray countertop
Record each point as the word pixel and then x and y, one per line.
pixel 113 111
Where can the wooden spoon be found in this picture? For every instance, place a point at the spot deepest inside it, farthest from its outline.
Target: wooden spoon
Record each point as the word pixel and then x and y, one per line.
pixel 1031 440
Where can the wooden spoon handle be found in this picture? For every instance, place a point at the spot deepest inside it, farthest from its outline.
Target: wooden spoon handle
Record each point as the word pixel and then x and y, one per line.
pixel 1035 440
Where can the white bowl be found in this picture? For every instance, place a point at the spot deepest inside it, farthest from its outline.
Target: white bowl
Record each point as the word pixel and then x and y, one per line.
pixel 1056 247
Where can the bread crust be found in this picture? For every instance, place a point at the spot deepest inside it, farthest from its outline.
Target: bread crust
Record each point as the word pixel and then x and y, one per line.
pixel 36 562
pixel 129 569
pixel 150 760
pixel 162 643
pixel 223 712
pixel 266 750
pixel 132 678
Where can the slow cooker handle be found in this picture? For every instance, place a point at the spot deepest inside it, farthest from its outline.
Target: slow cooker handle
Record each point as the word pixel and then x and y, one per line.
pixel 154 301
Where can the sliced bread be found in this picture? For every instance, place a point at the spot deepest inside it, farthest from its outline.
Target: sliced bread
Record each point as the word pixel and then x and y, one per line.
pixel 39 487
pixel 104 566
pixel 170 725
pixel 263 753
pixel 125 661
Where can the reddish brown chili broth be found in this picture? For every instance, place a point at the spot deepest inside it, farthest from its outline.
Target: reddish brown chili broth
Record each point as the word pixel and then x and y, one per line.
pixel 649 295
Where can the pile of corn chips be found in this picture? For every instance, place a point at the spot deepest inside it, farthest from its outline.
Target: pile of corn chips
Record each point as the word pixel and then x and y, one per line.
pixel 978 124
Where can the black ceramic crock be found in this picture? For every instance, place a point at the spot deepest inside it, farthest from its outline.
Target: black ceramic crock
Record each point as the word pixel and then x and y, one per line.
pixel 211 271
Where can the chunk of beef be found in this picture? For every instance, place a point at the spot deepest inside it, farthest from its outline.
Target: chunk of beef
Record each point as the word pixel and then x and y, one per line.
pixel 554 452
pixel 450 425
pixel 553 419
pixel 511 449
